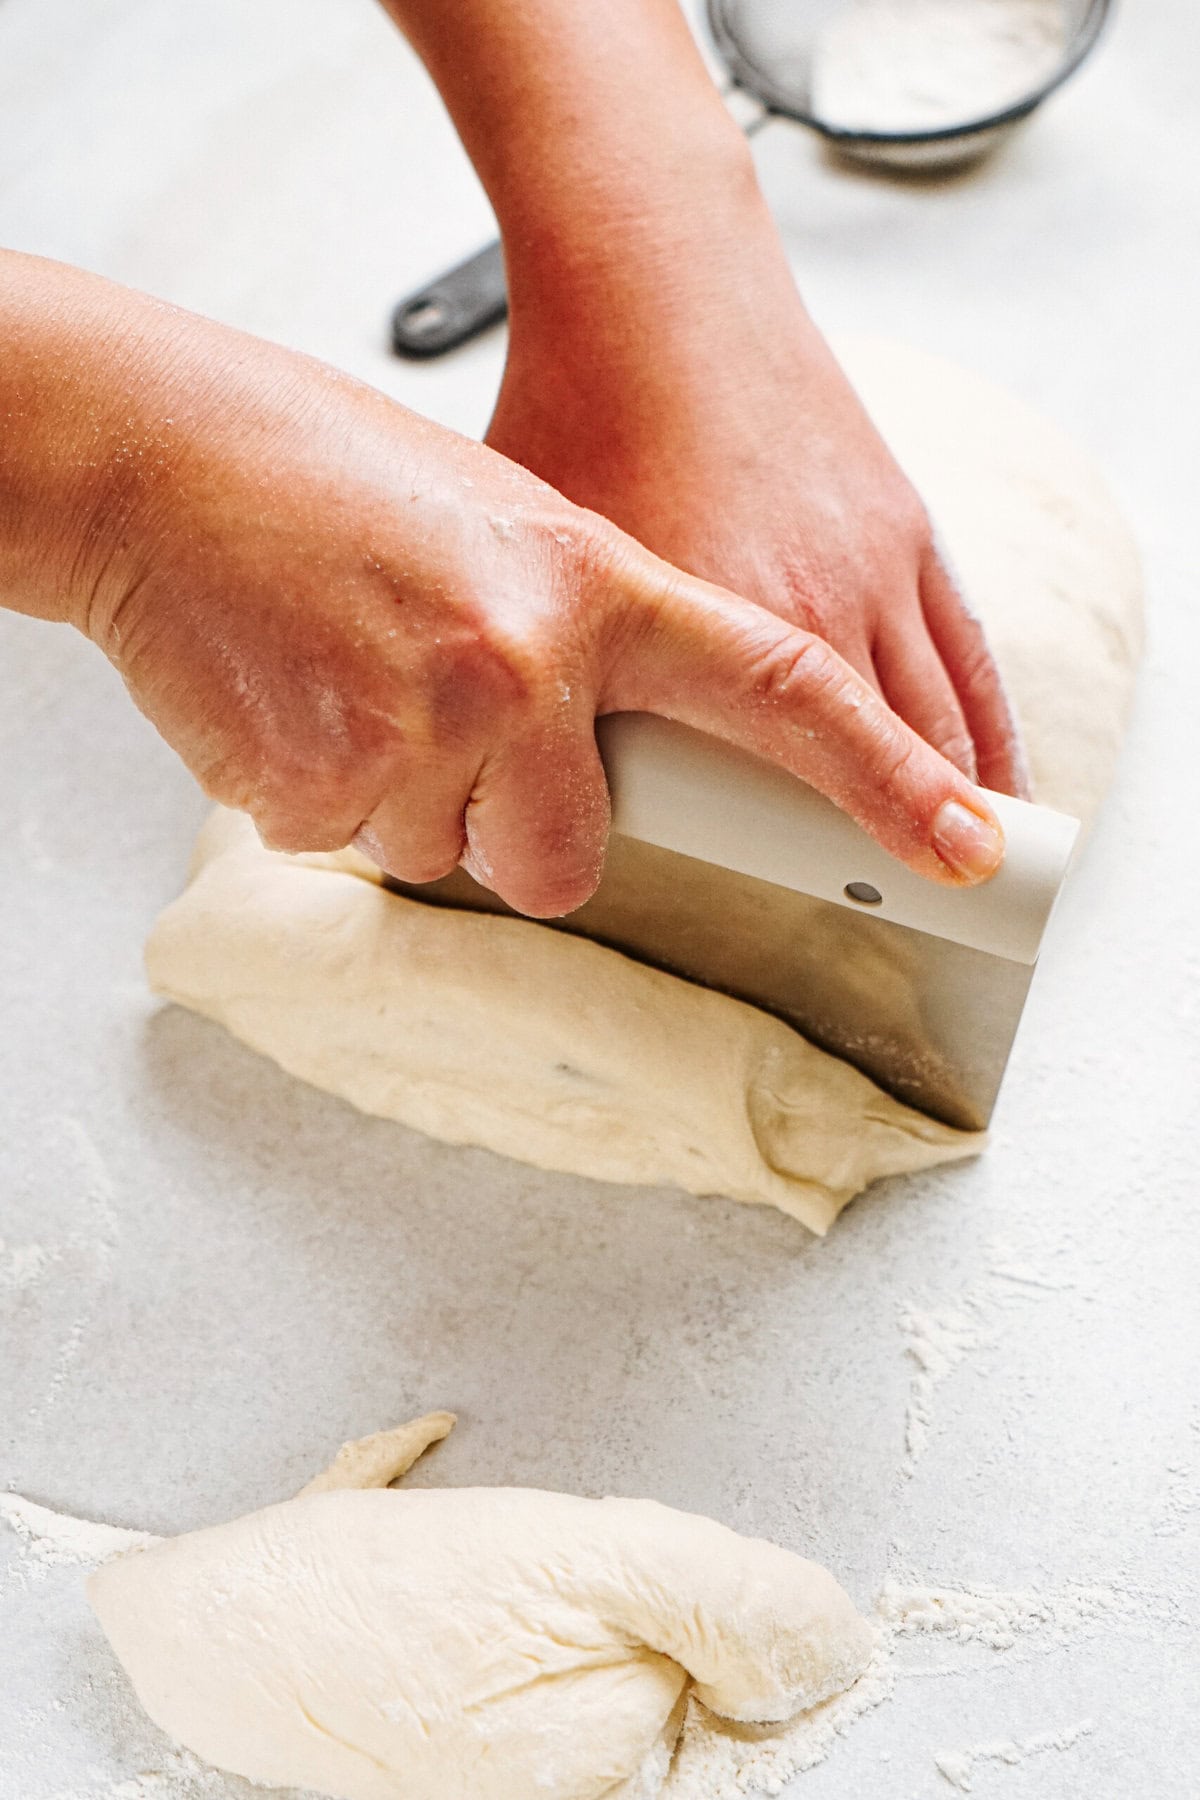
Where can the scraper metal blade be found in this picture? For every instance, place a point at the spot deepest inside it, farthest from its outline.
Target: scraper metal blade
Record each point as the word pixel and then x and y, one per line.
pixel 728 871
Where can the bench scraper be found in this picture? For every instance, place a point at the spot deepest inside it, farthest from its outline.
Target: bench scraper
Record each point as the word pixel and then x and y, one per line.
pixel 729 871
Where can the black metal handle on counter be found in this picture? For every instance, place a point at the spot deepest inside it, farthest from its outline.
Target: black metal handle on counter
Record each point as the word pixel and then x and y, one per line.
pixel 452 309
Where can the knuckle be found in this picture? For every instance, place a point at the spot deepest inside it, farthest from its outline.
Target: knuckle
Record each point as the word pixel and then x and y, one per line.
pixel 594 546
pixel 418 865
pixel 955 744
pixel 806 600
pixel 891 765
pixel 296 834
pixel 307 748
pixel 563 858
pixel 570 861
pixel 630 595
pixel 410 843
pixel 560 889
pixel 970 661
pixel 976 668
pixel 579 543
pixel 497 665
pixel 911 520
pixel 228 781
pixel 796 672
pixel 299 806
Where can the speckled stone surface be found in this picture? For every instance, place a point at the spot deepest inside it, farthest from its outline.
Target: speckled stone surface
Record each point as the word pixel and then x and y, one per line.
pixel 211 1275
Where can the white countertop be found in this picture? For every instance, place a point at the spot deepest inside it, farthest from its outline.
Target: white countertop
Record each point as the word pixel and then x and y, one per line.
pixel 236 1272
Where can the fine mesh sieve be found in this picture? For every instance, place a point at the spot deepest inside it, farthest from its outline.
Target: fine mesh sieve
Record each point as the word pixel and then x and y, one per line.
pixel 776 51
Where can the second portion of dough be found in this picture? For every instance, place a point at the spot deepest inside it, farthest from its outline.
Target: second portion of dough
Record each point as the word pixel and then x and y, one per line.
pixel 473 1643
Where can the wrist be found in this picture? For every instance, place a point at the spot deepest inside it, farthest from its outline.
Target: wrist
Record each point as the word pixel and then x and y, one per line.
pixel 642 226
pixel 583 123
pixel 694 288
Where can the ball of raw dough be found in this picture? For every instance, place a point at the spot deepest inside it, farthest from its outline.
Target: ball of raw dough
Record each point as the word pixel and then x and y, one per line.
pixel 484 1644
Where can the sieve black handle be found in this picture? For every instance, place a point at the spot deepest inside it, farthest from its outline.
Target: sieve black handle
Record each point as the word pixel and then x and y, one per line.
pixel 453 308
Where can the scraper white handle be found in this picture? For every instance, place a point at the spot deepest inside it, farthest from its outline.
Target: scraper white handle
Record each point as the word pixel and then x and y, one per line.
pixel 690 793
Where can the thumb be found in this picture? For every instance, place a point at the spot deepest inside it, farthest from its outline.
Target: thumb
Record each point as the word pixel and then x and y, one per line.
pixel 692 652
pixel 763 1633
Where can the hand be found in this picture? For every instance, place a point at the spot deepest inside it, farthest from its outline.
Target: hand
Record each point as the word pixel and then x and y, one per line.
pixel 354 624
pixel 677 385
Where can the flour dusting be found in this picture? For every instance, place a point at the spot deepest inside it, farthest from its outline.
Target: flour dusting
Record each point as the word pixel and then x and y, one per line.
pixel 21 1265
pixel 97 1186
pixel 56 1539
pixel 937 1339
pixel 991 1615
pixel 720 1761
pixel 937 1342
pixel 1178 1509
pixel 97 1191
pixel 181 1777
pixel 958 1765
pixel 717 1760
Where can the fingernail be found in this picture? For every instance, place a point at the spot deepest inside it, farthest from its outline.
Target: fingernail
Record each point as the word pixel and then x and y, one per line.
pixel 966 842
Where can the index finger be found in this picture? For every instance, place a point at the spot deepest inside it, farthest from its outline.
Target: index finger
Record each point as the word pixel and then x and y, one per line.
pixel 692 652
pixel 962 645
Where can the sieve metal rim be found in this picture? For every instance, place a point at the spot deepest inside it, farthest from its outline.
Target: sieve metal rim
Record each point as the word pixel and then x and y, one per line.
pixel 756 82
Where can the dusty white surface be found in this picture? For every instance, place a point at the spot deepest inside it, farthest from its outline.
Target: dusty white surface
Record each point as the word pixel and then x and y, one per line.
pixel 977 1400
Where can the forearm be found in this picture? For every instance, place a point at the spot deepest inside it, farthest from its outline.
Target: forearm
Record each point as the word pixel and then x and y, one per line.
pixel 105 394
pixel 87 428
pixel 596 130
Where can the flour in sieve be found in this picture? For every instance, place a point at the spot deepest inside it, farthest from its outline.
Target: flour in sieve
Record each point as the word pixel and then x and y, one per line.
pixel 919 65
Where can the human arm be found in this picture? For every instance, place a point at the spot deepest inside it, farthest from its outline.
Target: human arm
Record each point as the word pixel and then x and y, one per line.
pixel 351 622
pixel 662 367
